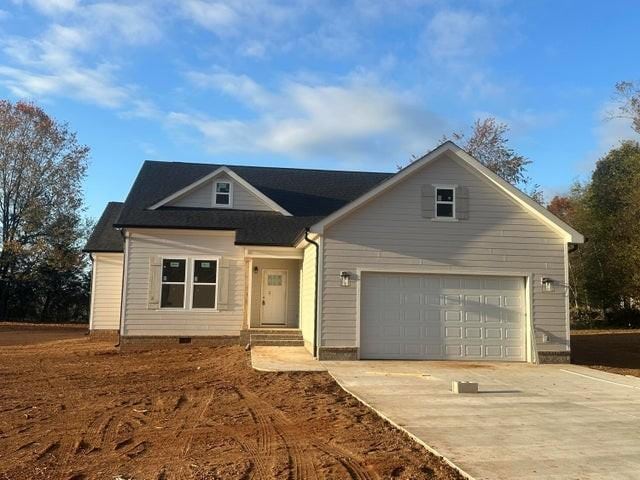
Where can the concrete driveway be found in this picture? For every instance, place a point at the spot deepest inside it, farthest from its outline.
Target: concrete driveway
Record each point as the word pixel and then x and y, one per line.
pixel 527 422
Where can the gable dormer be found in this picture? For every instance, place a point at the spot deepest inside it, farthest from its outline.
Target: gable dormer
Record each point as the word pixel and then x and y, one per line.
pixel 222 188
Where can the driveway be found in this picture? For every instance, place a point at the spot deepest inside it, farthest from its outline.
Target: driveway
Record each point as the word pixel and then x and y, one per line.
pixel 527 422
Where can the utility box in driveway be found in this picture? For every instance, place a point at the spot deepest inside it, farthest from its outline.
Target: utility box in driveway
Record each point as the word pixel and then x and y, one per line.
pixel 464 387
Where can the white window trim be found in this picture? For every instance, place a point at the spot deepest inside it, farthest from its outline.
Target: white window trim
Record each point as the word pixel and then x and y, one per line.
pixel 436 202
pixel 192 283
pixel 185 283
pixel 215 193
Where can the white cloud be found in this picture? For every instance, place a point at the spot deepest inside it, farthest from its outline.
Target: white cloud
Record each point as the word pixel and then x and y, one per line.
pixel 358 121
pixel 58 62
pixel 95 85
pixel 215 16
pixel 225 17
pixel 50 7
pixel 241 87
pixel 452 34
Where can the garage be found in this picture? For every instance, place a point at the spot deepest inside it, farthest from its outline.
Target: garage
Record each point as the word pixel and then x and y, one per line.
pixel 442 317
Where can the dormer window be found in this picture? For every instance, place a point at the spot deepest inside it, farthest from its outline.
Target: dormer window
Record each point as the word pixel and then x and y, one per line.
pixel 222 194
pixel 445 202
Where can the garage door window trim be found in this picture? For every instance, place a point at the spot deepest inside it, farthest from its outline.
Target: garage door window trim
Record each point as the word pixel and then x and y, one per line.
pixel 445 203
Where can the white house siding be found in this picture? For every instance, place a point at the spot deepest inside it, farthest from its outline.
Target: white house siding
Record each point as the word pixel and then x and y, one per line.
pixel 107 291
pixel 139 320
pixel 293 288
pixel 390 232
pixel 202 196
pixel 307 296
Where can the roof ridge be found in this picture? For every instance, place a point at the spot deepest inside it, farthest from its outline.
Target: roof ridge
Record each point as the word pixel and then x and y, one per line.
pixel 325 170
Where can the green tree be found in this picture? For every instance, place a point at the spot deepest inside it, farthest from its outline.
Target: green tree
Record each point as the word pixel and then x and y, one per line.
pixel 613 203
pixel 42 167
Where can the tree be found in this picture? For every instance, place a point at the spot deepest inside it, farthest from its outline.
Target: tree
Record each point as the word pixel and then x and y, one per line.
pixel 571 208
pixel 628 100
pixel 488 143
pixel 42 167
pixel 613 200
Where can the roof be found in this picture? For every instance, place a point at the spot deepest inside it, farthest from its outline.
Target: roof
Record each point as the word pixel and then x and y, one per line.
pixel 305 199
pixel 308 195
pixel 105 238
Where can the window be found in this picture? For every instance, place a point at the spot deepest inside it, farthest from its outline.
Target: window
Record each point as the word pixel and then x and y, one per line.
pixel 445 202
pixel 173 283
pixel 222 194
pixel 205 279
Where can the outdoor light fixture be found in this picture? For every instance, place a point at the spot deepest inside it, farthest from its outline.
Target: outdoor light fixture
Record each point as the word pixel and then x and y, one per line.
pixel 547 284
pixel 255 269
pixel 344 278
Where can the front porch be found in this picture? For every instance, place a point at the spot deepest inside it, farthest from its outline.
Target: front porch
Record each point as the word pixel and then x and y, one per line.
pixel 272 313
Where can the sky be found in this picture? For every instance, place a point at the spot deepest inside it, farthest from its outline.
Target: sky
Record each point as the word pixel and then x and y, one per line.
pixel 356 85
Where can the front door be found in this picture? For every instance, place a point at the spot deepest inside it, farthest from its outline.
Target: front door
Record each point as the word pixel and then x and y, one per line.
pixel 274 298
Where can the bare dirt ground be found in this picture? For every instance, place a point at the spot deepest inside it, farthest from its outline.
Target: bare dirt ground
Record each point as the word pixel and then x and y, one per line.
pixel 78 409
pixel 29 333
pixel 615 351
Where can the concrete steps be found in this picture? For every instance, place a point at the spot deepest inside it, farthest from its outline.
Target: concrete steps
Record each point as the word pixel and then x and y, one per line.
pixel 276 337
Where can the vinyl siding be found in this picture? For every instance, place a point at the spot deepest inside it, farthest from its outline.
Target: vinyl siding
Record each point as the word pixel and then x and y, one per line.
pixel 293 288
pixel 390 233
pixel 143 244
pixel 307 295
pixel 107 291
pixel 202 197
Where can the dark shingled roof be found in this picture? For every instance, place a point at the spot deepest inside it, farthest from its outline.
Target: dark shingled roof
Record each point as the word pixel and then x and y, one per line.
pixel 105 238
pixel 309 195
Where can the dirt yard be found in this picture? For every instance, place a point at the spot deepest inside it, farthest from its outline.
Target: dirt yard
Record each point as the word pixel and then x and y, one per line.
pixel 615 351
pixel 29 333
pixel 77 409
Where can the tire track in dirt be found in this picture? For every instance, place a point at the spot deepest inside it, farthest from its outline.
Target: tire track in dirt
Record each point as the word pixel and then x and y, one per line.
pixel 302 466
pixel 351 464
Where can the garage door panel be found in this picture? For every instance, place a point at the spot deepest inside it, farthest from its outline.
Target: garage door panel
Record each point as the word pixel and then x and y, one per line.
pixel 442 317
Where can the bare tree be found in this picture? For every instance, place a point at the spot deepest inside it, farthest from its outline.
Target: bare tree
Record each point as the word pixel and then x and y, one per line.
pixel 628 103
pixel 488 143
pixel 41 171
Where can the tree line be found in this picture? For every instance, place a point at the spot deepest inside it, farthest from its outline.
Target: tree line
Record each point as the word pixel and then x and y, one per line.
pixel 45 277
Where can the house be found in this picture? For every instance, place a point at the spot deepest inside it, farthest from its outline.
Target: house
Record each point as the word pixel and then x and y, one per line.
pixel 441 260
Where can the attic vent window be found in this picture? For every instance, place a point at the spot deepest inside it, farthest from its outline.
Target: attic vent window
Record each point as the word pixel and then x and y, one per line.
pixel 222 194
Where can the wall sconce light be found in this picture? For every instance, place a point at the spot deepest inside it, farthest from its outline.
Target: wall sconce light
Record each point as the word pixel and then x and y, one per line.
pixel 345 277
pixel 255 269
pixel 547 284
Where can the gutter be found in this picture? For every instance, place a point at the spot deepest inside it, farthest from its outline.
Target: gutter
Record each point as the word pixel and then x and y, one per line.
pixel 315 294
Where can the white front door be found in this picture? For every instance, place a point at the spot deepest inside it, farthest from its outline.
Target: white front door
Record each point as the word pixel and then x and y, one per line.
pixel 274 297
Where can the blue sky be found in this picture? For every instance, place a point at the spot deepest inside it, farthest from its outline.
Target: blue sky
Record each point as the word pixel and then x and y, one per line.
pixel 360 84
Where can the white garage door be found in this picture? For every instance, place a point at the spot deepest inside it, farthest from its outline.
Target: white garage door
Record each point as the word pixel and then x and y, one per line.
pixel 453 317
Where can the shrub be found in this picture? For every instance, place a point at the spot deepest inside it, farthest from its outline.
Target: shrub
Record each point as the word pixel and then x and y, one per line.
pixel 585 318
pixel 624 318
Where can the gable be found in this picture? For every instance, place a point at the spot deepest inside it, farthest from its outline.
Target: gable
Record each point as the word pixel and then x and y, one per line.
pixel 202 196
pixel 451 153
pixel 490 213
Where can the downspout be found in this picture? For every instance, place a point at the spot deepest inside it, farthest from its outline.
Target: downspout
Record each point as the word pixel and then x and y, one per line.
pixel 315 294
pixel 124 268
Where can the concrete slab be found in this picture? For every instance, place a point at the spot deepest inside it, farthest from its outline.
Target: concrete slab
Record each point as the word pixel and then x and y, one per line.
pixel 527 421
pixel 284 359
